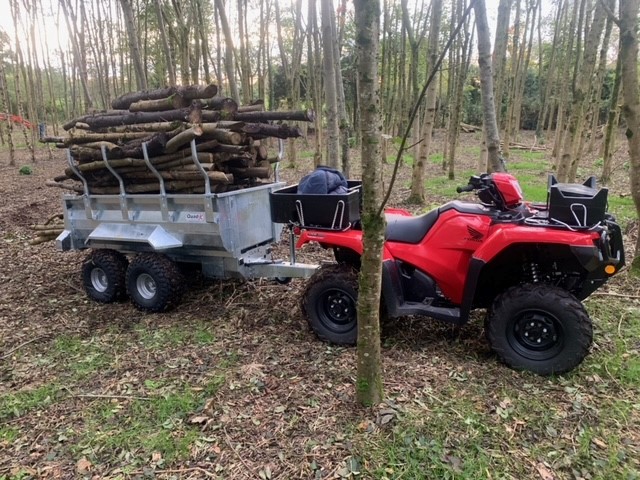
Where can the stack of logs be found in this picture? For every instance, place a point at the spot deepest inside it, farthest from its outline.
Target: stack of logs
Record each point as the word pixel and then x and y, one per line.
pixel 228 138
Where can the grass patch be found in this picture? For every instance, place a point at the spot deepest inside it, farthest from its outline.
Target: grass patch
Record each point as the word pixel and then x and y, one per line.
pixel 443 186
pixel 18 404
pixel 81 357
pixel 176 336
pixel 623 208
pixel 617 330
pixel 436 158
pixel 135 429
pixel 8 434
pixel 518 166
pixel 510 428
pixel 473 150
pixel 306 154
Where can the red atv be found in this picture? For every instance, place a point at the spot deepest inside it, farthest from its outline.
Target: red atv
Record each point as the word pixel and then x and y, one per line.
pixel 528 264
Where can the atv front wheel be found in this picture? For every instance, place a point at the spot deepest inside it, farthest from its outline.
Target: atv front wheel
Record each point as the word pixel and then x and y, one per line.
pixel 103 275
pixel 154 282
pixel 330 302
pixel 539 328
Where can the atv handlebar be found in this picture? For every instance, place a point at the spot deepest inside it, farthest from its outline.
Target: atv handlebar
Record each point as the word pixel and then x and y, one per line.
pixel 467 188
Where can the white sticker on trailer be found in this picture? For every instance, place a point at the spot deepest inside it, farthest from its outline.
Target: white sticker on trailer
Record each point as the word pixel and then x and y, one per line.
pixel 195 217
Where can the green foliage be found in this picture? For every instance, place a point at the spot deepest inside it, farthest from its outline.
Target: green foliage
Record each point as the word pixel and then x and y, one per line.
pixel 81 357
pixel 175 336
pixel 25 170
pixel 17 404
pixel 143 426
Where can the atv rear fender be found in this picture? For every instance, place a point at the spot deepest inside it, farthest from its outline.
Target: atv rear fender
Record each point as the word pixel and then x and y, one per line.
pixel 347 239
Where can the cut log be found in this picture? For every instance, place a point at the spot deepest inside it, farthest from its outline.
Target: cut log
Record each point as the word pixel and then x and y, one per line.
pixel 466 128
pixel 190 114
pixel 143 127
pixel 214 176
pixel 224 136
pixel 82 136
pixel 298 116
pixel 223 104
pixel 183 138
pixel 124 101
pixel 263 130
pixel 83 120
pixel 170 103
pixel 257 107
pixel 249 172
pixel 188 92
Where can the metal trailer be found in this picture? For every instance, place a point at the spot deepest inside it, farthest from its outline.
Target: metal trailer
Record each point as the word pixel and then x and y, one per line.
pixel 142 242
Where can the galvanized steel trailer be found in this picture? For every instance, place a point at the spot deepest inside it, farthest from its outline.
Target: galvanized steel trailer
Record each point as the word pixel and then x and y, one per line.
pixel 141 242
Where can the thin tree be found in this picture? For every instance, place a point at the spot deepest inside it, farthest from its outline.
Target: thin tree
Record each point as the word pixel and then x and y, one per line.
pixel 5 102
pixel 230 54
pixel 134 44
pixel 417 177
pixel 166 49
pixel 78 55
pixel 612 122
pixel 569 161
pixel 330 87
pixel 486 84
pixel 629 11
pixel 499 58
pixel 369 388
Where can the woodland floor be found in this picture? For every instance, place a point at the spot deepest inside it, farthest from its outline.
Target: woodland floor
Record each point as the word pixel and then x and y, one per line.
pixel 232 384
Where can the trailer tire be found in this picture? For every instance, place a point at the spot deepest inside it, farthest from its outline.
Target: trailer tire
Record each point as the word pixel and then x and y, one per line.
pixel 540 328
pixel 330 303
pixel 154 282
pixel 104 275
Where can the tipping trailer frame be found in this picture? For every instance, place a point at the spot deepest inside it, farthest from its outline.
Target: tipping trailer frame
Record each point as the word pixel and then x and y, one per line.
pixel 229 234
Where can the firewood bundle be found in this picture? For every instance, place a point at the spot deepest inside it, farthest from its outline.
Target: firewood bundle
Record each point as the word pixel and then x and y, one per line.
pixel 48 230
pixel 228 138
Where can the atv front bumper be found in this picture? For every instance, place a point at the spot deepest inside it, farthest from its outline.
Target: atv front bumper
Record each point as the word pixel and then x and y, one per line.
pixel 603 260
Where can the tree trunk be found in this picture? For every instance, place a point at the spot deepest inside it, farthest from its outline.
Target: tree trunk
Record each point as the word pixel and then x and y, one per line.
pixel 569 162
pixel 229 57
pixel 612 123
pixel 171 71
pixel 417 178
pixel 486 84
pixel 330 88
pixel 500 54
pixel 369 388
pixel 82 65
pixel 629 10
pixel 134 45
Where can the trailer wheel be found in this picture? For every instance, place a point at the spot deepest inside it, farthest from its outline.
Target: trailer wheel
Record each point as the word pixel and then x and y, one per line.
pixel 154 282
pixel 330 303
pixel 539 328
pixel 103 275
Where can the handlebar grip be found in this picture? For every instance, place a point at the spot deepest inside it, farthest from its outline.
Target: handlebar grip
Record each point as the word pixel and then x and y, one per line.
pixel 468 188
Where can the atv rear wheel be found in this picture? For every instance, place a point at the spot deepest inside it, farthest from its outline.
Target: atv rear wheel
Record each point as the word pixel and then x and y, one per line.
pixel 330 303
pixel 154 282
pixel 539 328
pixel 103 275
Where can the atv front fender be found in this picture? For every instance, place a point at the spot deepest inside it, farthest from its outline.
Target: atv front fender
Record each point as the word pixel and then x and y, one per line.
pixel 505 237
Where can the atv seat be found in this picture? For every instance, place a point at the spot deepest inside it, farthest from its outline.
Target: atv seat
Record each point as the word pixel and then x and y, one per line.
pixel 401 228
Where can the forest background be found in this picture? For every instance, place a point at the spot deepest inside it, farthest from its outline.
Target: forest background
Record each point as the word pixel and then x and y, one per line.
pixel 238 409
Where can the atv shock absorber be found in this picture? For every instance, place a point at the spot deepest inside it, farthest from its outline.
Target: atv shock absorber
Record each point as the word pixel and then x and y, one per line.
pixel 534 273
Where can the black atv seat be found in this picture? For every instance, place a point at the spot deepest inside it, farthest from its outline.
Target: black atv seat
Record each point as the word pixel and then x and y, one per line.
pixel 410 229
